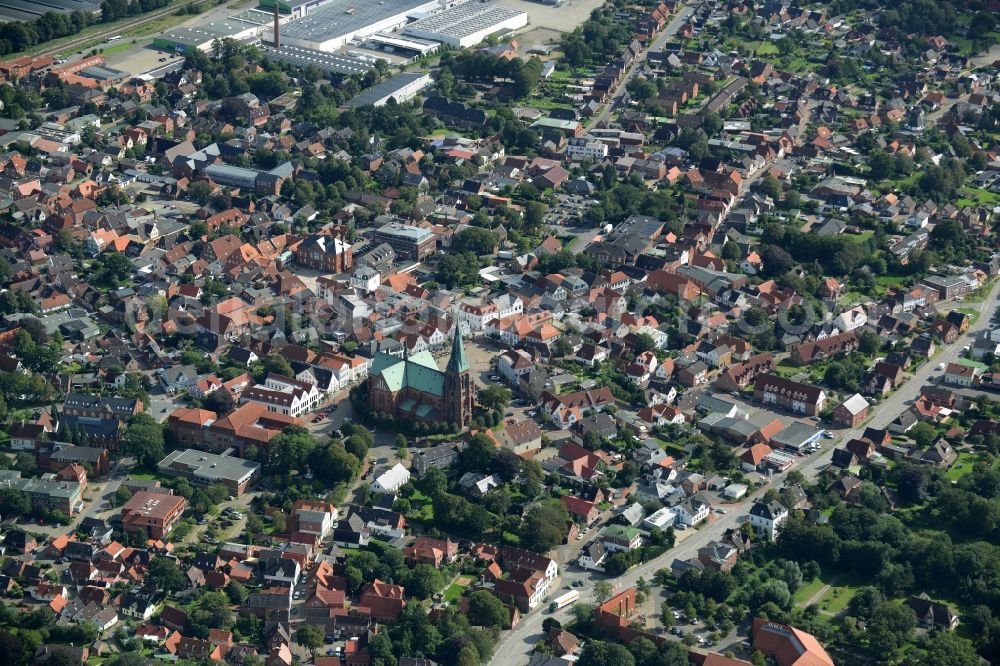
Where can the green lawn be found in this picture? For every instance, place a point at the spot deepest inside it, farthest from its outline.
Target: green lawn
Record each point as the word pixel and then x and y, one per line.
pixel 786 368
pixel 836 598
pixel 421 508
pixel 454 591
pixel 972 312
pixel 859 238
pixel 766 48
pixel 673 449
pixel 963 465
pixel 806 591
pixel 974 196
pixel 889 280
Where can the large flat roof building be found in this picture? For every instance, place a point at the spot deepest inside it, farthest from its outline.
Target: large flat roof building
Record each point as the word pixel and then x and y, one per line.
pixel 334 24
pixel 152 514
pixel 468 24
pixel 402 88
pixel 201 37
pixel 297 8
pixel 205 469
pixel 328 63
pixel 407 240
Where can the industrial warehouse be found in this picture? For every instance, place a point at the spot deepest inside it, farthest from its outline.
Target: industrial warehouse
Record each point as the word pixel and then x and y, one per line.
pixel 312 30
pixel 468 24
pixel 335 24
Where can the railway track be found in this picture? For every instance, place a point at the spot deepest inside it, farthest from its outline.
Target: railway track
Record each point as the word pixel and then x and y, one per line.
pixel 110 31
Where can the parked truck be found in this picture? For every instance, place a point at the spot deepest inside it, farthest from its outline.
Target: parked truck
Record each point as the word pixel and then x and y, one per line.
pixel 564 600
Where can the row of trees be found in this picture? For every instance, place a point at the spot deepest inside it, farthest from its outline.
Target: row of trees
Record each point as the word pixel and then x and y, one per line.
pixel 112 10
pixel 484 66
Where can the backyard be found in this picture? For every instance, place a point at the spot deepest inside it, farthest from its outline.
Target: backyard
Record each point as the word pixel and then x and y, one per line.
pixel 965 463
pixel 455 590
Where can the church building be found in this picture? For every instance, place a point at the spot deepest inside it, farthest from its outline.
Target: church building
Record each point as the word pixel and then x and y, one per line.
pixel 414 389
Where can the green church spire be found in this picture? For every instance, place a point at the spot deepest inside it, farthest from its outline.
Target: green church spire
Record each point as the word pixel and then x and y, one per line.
pixel 458 362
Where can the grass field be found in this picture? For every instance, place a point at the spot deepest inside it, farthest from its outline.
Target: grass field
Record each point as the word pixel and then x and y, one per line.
pixel 454 590
pixel 842 588
pixel 786 368
pixel 808 590
pixel 837 598
pixel 889 280
pixel 859 238
pixel 421 507
pixel 973 196
pixel 673 449
pixel 963 465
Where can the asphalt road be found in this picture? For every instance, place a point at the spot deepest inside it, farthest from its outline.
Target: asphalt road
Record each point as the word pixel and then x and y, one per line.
pixel 515 646
pixel 668 33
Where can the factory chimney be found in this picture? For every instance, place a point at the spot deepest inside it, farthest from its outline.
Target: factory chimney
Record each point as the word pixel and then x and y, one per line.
pixel 277 34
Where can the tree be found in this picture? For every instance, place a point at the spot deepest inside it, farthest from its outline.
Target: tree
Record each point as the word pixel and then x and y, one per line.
pixel 467 656
pixel 602 591
pixel 311 636
pixel 486 610
pixel 221 402
pixel 278 365
pixel 869 342
pixel 476 456
pixel 494 397
pixel 731 251
pixel 923 434
pixel 143 439
pixel 333 463
pixel 213 611
pixel 643 651
pixel 773 591
pixel 880 166
pixel 477 240
pixel 776 261
pixel 644 342
pixel 944 648
pixel 545 526
pixel 290 450
pixel 236 592
pixel 424 580
pixel 200 192
pixel 891 627
pixel 600 653
pixel 14 503
pixel 864 602
pixel 771 187
pixel 164 574
pixel 792 575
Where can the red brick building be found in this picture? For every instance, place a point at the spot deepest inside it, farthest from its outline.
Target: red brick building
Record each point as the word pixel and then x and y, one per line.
pixel 154 514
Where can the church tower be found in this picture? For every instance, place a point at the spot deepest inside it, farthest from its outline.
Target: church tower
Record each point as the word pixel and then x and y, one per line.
pixel 458 389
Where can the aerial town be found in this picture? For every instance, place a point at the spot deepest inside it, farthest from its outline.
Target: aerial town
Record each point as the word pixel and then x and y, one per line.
pixel 507 332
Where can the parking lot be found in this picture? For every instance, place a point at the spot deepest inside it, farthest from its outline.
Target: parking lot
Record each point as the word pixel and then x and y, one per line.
pixel 568 208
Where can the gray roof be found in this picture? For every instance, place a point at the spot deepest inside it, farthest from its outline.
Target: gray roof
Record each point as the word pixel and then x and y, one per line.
pixel 386 88
pixel 208 467
pixel 343 17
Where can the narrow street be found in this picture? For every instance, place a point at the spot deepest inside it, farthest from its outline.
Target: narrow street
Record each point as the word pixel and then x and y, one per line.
pixel 673 26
